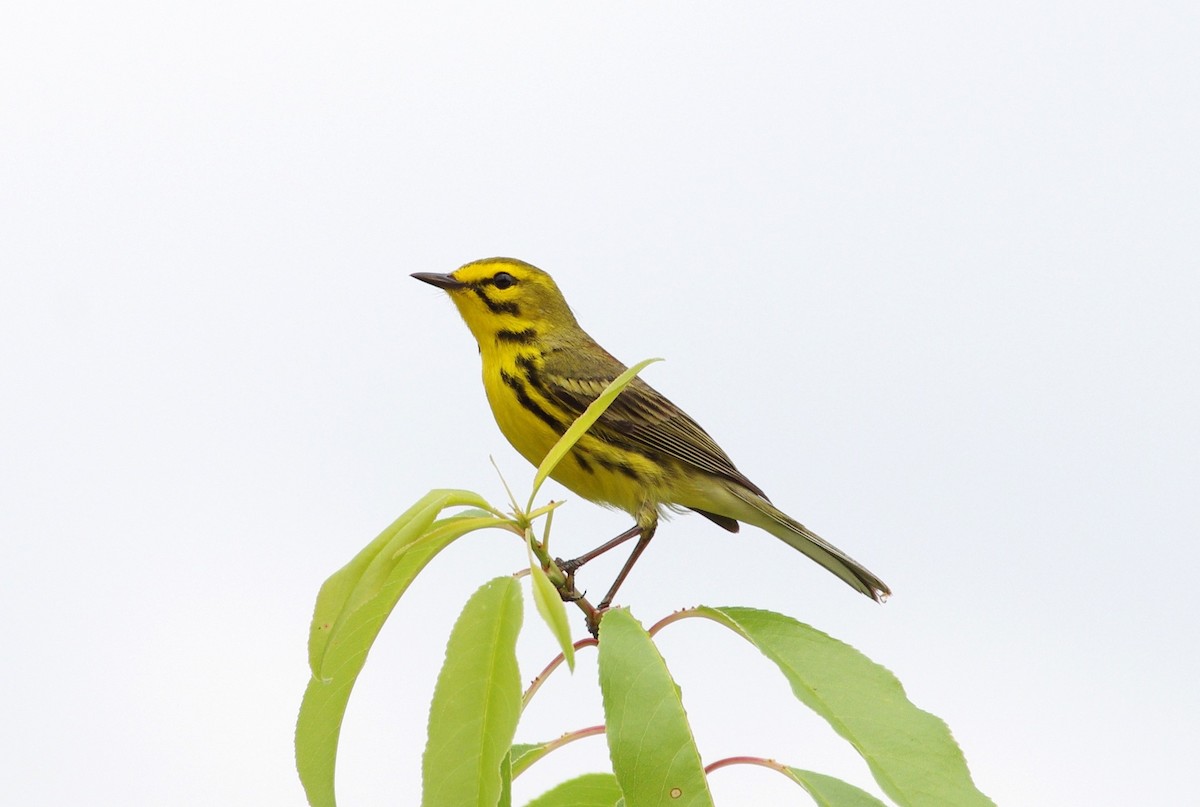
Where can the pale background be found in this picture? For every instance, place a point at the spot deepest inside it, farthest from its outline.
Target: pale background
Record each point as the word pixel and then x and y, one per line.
pixel 928 272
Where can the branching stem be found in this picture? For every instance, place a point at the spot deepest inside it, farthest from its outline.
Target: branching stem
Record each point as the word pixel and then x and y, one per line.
pixel 563 583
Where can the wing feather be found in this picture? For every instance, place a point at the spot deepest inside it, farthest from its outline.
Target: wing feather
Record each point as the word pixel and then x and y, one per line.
pixel 641 418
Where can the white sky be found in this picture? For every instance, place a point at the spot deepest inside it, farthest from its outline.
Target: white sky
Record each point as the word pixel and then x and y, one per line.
pixel 929 273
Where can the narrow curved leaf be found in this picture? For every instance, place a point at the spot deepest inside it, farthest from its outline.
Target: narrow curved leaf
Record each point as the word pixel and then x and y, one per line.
pixel 582 424
pixel 506 777
pixel 351 608
pixel 910 752
pixel 525 754
pixel 649 740
pixel 828 791
pixel 476 703
pixel 550 606
pixel 589 790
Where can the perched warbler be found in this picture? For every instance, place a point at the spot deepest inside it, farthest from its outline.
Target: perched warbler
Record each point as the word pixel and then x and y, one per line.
pixel 644 454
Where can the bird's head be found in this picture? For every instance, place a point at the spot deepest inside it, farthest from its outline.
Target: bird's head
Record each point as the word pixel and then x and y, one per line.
pixel 504 298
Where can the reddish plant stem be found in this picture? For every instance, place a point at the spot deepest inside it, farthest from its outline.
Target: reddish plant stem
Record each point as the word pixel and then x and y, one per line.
pixel 761 761
pixel 683 613
pixel 568 737
pixel 541 677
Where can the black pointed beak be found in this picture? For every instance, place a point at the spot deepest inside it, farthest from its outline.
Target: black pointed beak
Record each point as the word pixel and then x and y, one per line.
pixel 441 281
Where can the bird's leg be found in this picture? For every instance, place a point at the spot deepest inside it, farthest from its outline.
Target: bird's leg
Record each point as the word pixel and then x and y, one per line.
pixel 647 523
pixel 569 567
pixel 645 534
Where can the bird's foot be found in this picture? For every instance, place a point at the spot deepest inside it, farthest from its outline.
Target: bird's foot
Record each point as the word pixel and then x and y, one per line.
pixel 571 594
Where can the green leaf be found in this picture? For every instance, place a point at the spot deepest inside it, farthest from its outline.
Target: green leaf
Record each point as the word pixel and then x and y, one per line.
pixel 827 791
pixel 476 703
pixel 910 752
pixel 506 777
pixel 351 608
pixel 525 754
pixel 582 424
pixel 550 605
pixel 649 740
pixel 589 790
pixel 361 578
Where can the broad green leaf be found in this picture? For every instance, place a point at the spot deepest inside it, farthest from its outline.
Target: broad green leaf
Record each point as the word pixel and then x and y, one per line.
pixel 351 609
pixel 476 703
pixel 827 791
pixel 649 740
pixel 361 577
pixel 550 606
pixel 582 424
pixel 589 790
pixel 910 752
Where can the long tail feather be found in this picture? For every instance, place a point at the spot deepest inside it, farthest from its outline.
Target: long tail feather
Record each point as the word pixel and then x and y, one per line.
pixel 768 517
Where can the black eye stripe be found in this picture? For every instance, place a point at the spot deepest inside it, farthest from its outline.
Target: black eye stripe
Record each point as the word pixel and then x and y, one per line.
pixel 506 307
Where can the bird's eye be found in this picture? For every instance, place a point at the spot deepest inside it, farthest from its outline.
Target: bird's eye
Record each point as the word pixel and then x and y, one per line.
pixel 503 280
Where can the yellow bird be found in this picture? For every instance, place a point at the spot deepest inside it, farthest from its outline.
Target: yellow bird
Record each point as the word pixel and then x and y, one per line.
pixel 644 454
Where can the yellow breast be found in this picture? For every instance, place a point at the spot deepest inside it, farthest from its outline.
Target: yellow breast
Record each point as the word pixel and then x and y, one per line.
pixel 598 471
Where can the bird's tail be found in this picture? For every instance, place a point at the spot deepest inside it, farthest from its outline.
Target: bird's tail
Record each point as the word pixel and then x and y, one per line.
pixel 764 515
